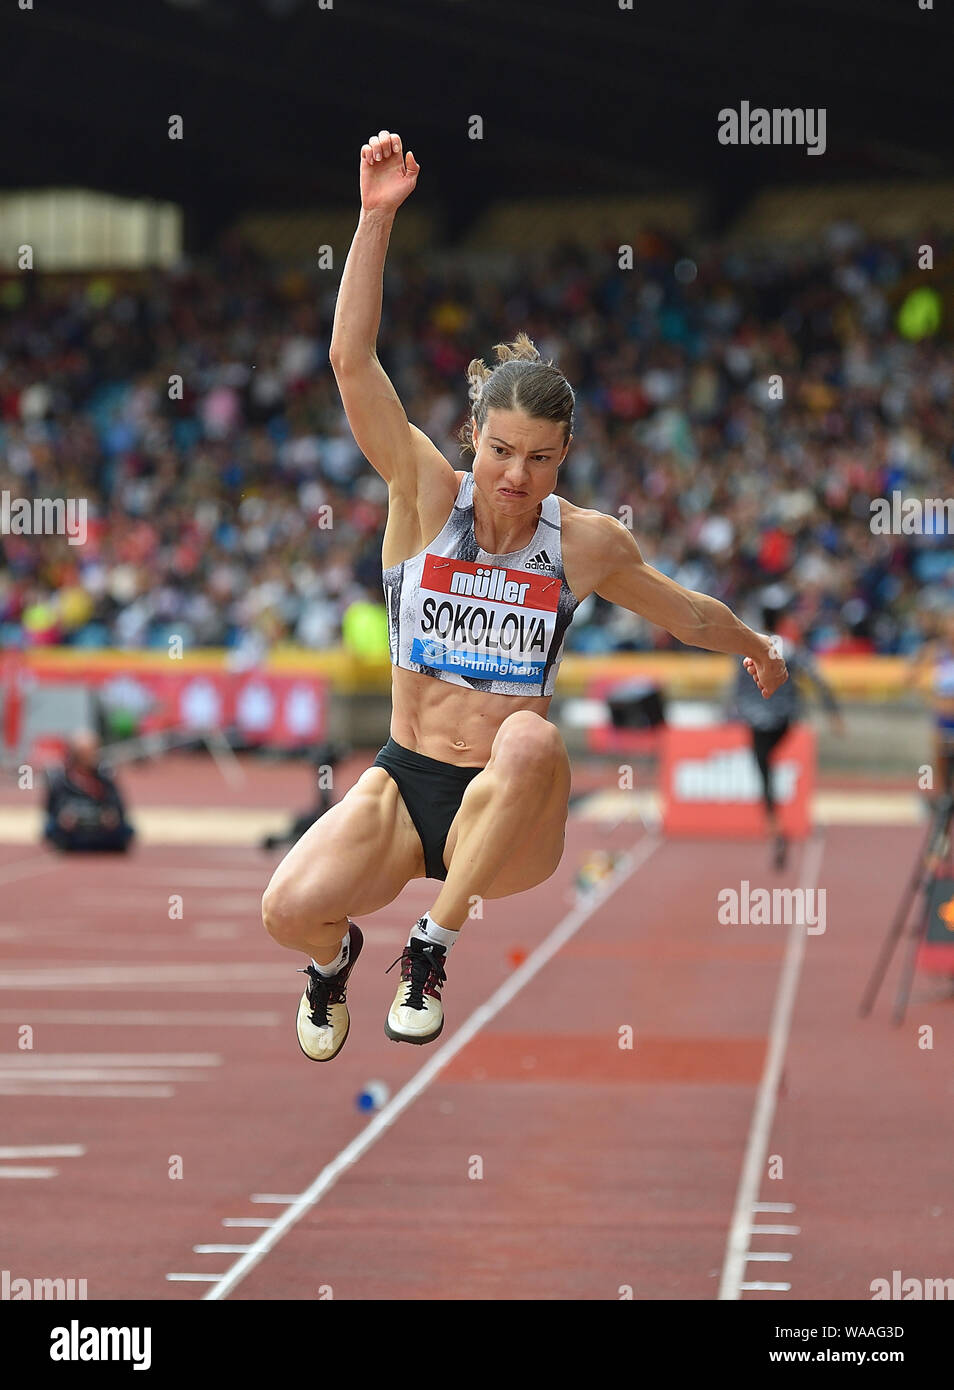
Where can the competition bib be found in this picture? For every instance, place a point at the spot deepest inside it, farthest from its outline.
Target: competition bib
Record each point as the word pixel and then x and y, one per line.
pixel 483 621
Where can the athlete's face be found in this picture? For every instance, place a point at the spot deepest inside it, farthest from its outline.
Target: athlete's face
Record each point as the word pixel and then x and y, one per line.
pixel 516 459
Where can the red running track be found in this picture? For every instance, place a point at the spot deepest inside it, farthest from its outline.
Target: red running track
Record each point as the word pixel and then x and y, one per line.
pixel 543 1162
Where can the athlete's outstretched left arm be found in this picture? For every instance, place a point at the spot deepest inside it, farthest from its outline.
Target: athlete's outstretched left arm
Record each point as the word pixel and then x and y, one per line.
pixel 696 619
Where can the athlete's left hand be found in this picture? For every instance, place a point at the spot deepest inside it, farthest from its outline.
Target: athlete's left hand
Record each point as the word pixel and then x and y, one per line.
pixel 769 670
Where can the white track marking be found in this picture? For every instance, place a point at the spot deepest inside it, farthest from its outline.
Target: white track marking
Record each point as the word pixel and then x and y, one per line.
pixel 81 1092
pixel 209 977
pixel 419 1083
pixel 769 1256
pixel 37 1071
pixel 151 1018
pixel 219 1249
pixel 758 1285
pixel 247 1221
pixel 28 1172
pixel 36 1075
pixel 773 1206
pixel 777 1230
pixel 277 1199
pixel 763 1115
pixel 45 1151
pixel 116 1059
pixel 194 1278
pixel 214 974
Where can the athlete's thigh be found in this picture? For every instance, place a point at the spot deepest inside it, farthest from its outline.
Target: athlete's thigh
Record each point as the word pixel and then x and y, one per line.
pixel 534 854
pixel 359 855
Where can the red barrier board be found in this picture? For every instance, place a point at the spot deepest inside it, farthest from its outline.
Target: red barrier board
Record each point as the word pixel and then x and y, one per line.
pixel 284 711
pixel 711 785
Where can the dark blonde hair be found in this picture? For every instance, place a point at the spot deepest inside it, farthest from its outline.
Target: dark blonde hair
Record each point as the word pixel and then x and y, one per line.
pixel 520 381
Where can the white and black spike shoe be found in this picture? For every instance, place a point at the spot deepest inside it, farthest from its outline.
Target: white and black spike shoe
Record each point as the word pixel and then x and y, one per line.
pixel 417 1014
pixel 323 1019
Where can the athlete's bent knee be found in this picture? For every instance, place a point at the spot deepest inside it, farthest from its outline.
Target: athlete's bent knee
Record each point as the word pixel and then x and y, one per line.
pixel 528 746
pixel 287 914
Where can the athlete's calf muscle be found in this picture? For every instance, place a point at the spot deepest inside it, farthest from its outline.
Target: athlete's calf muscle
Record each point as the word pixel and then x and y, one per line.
pixel 353 861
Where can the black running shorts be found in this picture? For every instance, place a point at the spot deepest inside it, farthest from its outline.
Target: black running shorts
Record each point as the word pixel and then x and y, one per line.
pixel 432 791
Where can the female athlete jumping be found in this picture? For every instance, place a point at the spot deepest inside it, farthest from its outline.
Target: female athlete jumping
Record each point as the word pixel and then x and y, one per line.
pixel 482 573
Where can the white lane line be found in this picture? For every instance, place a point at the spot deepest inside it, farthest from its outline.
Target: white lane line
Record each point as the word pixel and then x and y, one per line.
pixel 30 1076
pixel 219 1249
pixel 771 1256
pixel 777 1230
pixel 201 985
pixel 773 1206
pixel 44 1151
pixel 759 1285
pixel 763 1115
pixel 147 1018
pixel 216 974
pixel 114 1059
pixel 247 1221
pixel 82 1092
pixel 485 1013
pixel 28 1172
pixel 27 868
pixel 194 1278
pixel 278 1199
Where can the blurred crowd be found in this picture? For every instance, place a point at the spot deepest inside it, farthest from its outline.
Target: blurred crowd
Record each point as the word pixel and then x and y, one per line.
pixel 234 508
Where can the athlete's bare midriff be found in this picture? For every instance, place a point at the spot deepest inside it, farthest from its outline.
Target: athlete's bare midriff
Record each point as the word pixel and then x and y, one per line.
pixel 444 721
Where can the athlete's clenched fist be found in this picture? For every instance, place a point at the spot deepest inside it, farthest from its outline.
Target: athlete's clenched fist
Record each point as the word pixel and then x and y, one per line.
pixel 387 176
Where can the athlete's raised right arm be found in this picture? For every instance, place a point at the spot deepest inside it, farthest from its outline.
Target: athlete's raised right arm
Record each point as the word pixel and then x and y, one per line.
pixel 395 448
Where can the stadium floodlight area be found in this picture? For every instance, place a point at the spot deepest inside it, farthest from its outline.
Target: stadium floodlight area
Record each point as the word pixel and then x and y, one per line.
pixel 888 208
pixel 70 229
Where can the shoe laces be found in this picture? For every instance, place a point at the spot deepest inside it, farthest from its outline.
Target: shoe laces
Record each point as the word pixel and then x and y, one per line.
pixel 420 966
pixel 322 991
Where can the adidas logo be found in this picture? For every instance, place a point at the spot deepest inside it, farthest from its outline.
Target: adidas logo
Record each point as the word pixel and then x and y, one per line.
pixel 540 561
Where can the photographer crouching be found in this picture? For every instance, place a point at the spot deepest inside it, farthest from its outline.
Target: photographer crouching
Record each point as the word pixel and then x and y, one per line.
pixel 84 810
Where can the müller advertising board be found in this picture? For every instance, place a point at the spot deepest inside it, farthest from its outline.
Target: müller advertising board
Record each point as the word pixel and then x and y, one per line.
pixel 711 785
pixel 275 709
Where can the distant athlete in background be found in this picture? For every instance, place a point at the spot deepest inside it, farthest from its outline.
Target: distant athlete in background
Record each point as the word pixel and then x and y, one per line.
pixel 483 571
pixel 770 721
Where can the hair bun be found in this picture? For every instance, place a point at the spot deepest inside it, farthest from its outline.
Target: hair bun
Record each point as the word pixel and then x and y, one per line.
pixel 522 349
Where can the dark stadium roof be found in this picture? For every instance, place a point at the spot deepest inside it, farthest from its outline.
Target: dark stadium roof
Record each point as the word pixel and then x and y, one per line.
pixel 582 96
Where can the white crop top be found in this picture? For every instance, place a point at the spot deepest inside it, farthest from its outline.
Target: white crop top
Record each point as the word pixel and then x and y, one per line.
pixel 488 622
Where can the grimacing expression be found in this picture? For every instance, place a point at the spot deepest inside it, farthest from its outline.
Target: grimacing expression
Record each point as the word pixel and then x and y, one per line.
pixel 517 457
